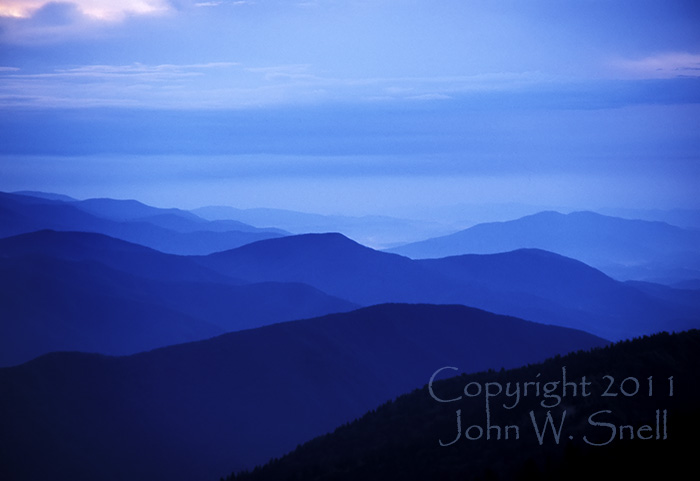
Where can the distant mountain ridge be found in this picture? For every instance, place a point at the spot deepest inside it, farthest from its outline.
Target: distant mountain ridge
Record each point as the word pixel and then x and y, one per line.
pixel 198 410
pixel 171 218
pixel 625 249
pixel 168 230
pixel 45 195
pixel 685 218
pixel 530 284
pixel 371 230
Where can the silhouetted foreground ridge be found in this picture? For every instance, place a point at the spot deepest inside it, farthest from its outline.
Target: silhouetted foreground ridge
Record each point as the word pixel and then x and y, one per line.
pixel 645 390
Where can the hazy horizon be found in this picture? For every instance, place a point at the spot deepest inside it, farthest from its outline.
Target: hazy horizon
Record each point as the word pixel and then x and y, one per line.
pixel 394 108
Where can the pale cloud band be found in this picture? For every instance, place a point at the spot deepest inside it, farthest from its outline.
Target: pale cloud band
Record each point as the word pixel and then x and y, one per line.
pixel 235 85
pixel 98 9
pixel 219 3
pixel 661 66
pixel 230 85
pixel 108 10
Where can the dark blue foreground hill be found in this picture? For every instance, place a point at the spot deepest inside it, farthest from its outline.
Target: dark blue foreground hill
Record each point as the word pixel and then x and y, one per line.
pixel 401 439
pixel 199 410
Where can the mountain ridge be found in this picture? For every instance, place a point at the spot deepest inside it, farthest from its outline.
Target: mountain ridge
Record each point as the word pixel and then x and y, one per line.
pixel 197 409
pixel 22 214
pixel 341 267
pixel 614 245
pixel 377 231
pixel 52 281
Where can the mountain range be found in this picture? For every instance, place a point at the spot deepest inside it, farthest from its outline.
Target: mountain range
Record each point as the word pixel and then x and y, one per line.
pixel 528 283
pixel 622 248
pixel 149 343
pixel 199 410
pixel 168 230
pixel 90 292
pixel 84 291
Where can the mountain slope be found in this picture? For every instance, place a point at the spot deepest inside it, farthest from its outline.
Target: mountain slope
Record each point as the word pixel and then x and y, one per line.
pixel 114 253
pixel 332 263
pixel 83 291
pixel 530 284
pixel 619 247
pixel 198 410
pixel 51 305
pixel 401 439
pixel 22 214
pixel 571 290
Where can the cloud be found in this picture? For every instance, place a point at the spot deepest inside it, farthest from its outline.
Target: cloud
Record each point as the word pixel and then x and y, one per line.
pixel 206 85
pixel 20 8
pixel 138 70
pixel 661 66
pixel 38 22
pixel 217 3
pixel 430 97
pixel 108 10
pixel 135 85
pixel 288 72
pixel 236 85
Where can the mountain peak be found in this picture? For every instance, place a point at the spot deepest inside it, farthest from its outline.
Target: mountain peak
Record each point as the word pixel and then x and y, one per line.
pixel 302 242
pixel 622 248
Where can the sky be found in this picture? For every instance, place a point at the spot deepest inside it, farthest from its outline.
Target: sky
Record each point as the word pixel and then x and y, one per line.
pixel 355 106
